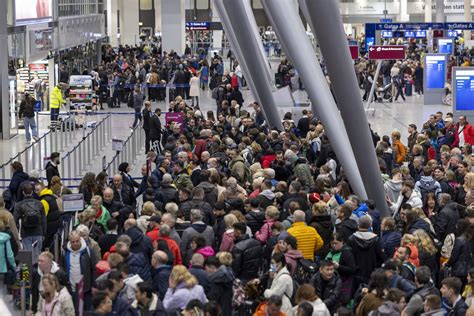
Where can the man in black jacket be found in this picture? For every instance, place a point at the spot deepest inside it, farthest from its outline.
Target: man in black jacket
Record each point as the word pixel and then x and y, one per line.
pixel 147 114
pixel 346 225
pixel 451 291
pixel 327 285
pixel 197 202
pixel 27 113
pixel 110 238
pixel 247 254
pixel 18 177
pixel 424 287
pixel 33 219
pixel 446 220
pixel 122 192
pixel 140 242
pixel 255 216
pixel 155 130
pixel 52 167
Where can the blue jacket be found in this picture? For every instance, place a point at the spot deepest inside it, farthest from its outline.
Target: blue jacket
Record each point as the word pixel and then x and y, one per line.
pixel 419 224
pixel 139 264
pixel 17 178
pixel 160 280
pixel 6 253
pixel 390 240
pixel 398 282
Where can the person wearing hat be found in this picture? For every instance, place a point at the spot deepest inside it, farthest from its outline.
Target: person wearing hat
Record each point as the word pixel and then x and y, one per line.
pixel 154 228
pixel 27 113
pixel 55 102
pixel 124 169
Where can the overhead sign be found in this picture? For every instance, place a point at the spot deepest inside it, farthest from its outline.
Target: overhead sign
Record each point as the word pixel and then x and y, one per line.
pixel 73 202
pixel 389 52
pixel 463 95
pixel 194 26
pixel 451 33
pixel 409 34
pixel 435 71
pixel 445 46
pixel 386 20
pixel 387 34
pixel 354 51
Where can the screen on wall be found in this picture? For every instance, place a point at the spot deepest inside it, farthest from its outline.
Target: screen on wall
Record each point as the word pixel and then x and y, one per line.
pixel 435 68
pixel 445 46
pixel 464 94
pixel 33 9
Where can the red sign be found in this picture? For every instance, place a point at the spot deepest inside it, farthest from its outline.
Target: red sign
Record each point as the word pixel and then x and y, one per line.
pixel 37 67
pixel 354 51
pixel 177 117
pixel 390 52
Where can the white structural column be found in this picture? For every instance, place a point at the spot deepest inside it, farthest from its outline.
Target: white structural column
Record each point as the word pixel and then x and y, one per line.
pixel 404 16
pixel 428 11
pixel 129 19
pixel 440 16
pixel 112 22
pixel 216 35
pixel 4 101
pixel 467 17
pixel 157 6
pixel 173 25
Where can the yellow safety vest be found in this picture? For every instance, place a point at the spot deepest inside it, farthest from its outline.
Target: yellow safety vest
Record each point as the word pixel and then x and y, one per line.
pixel 55 98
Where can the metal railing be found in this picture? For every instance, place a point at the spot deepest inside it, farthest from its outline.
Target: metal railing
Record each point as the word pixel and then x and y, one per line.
pixel 81 156
pixel 32 157
pixel 131 148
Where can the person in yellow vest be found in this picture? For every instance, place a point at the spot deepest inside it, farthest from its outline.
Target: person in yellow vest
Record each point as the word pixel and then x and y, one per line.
pixel 55 102
pixel 308 239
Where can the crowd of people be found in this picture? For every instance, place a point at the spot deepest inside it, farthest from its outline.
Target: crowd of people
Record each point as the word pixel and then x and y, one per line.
pixel 232 217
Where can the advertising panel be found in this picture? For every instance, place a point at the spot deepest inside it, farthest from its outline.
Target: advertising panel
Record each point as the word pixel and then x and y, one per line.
pixel 33 10
pixel 354 49
pixel 463 97
pixel 435 71
pixel 445 46
pixel 389 52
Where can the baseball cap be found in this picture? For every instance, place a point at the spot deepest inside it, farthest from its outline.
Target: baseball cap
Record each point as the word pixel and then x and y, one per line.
pixel 155 218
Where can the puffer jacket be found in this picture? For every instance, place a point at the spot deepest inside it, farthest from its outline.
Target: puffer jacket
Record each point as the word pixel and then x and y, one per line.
pixel 460 257
pixel 390 240
pixel 255 220
pixel 420 223
pixel 167 193
pixel 7 258
pixel 139 265
pixel 247 254
pixel 51 209
pixel 220 288
pixel 328 291
pixel 324 227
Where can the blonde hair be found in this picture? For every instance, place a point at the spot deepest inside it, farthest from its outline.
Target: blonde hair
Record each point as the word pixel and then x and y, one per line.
pixel 52 279
pixel 407 239
pixel 230 220
pixel 319 208
pixel 181 275
pixel 272 212
pixel 469 184
pixel 148 208
pixel 225 258
pixel 423 241
pixel 420 212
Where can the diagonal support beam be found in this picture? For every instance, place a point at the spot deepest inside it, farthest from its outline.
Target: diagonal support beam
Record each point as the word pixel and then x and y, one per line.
pixel 290 30
pixel 326 19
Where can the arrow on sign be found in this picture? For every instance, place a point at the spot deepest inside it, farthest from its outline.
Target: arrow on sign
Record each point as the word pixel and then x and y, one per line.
pixel 371 49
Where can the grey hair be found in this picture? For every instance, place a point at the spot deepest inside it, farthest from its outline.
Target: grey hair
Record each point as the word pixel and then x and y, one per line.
pixel 196 215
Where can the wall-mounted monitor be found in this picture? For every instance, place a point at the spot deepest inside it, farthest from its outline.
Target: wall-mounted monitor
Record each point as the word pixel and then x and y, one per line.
pixel 30 11
pixel 420 34
pixel 445 45
pixel 435 71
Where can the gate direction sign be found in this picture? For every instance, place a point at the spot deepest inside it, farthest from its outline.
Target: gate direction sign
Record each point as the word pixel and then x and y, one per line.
pixel 386 52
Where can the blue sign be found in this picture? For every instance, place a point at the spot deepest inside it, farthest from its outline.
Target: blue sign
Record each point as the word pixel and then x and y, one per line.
pixel 459 26
pixel 451 33
pixel 464 83
pixel 409 34
pixel 386 20
pixel 369 41
pixel 420 34
pixel 410 26
pixel 435 67
pixel 387 34
pixel 197 25
pixel 445 46
pixel 37 106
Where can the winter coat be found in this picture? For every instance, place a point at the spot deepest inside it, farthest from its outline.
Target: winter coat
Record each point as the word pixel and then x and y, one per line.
pixel 206 209
pixel 414 200
pixel 238 169
pixel 347 227
pixel 17 178
pixel 200 274
pixel 220 288
pixel 460 257
pixel 167 193
pixel 282 286
pixel 247 254
pixel 292 256
pixel 309 241
pixel 420 223
pixel 392 189
pixel 155 308
pixel 400 151
pixel 51 210
pixel 228 239
pixel 7 258
pixel 347 268
pixel 51 171
pixel 330 292
pixel 303 173
pixel 194 87
pixel 210 192
pixel 139 264
pixel 428 182
pixel 160 280
pixel 155 128
pixel 140 242
pixel 324 227
pixel 446 220
pixel 87 262
pixel 179 297
pixel 174 249
pixel 388 308
pixel 196 229
pixel 62 304
pixel 390 240
pixel 255 220
pixel 126 196
pixel 319 308
pixel 367 252
pixel 265 231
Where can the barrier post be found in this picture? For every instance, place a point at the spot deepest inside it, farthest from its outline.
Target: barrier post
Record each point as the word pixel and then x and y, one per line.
pixel 56 247
pixel 75 163
pixel 63 167
pixel 33 157
pixel 69 167
pixel 56 143
pixel 22 298
pixel 26 159
pixel 50 142
pixel 80 157
pixel 89 151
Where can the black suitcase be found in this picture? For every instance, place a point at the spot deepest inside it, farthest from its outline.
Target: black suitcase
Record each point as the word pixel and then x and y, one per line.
pixel 110 102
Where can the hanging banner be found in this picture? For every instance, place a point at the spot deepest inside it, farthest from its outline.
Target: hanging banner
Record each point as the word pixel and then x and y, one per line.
pixel 387 52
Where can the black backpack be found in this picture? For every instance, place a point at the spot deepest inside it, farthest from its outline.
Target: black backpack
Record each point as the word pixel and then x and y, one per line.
pixel 305 269
pixel 296 285
pixel 427 187
pixel 31 217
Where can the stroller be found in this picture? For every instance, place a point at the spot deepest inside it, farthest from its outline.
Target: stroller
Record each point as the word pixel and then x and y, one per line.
pixel 384 93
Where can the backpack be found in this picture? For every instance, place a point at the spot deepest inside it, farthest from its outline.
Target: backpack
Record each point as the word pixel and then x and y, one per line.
pixel 215 93
pixel 427 187
pixel 305 269
pixel 238 291
pixel 30 218
pixel 296 285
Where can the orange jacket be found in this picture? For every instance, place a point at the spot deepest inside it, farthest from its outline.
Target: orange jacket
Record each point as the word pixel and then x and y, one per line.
pixel 400 150
pixel 262 310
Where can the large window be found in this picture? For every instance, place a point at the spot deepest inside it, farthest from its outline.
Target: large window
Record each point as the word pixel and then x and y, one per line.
pixel 79 7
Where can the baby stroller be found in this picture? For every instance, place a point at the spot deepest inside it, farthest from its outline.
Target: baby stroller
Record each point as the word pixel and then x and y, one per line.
pixel 384 93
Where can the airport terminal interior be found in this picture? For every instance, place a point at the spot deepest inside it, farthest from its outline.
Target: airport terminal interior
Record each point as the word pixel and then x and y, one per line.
pixel 236 157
